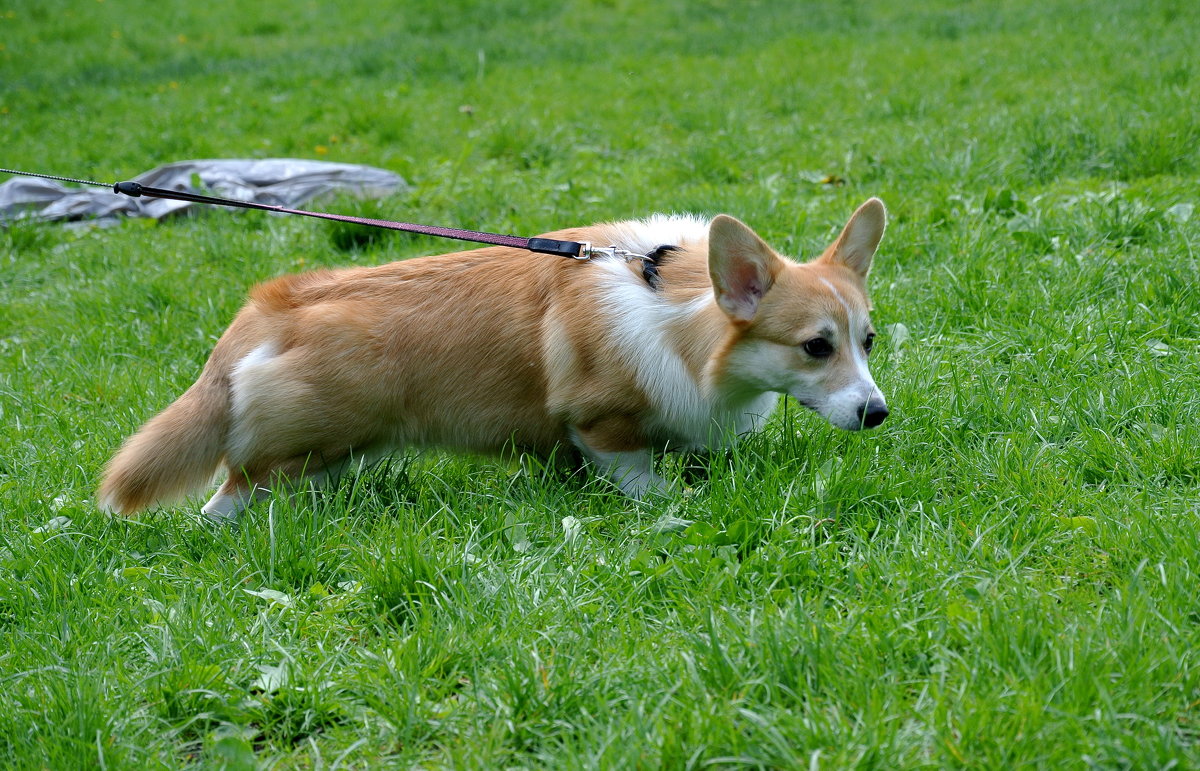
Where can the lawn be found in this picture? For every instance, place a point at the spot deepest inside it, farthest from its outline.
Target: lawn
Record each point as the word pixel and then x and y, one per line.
pixel 1004 575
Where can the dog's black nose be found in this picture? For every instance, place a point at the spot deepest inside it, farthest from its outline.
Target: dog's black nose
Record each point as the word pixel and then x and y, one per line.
pixel 872 413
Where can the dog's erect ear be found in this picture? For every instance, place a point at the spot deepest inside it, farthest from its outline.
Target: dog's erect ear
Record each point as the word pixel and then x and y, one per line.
pixel 741 265
pixel 855 247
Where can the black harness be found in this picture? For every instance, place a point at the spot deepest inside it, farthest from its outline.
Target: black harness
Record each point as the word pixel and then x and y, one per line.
pixel 651 261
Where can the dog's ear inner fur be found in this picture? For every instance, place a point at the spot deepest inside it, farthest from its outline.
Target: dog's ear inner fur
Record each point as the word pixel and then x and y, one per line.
pixel 855 247
pixel 741 265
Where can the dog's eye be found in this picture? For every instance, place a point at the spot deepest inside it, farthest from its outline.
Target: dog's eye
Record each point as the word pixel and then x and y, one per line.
pixel 818 348
pixel 869 343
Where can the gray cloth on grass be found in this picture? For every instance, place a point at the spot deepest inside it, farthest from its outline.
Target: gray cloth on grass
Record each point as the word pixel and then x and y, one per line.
pixel 285 182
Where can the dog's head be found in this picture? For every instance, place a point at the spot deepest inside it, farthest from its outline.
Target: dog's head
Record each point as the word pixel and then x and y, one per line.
pixel 803 329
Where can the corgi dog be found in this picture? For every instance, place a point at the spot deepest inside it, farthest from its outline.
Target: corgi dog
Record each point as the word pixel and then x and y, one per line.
pixel 498 349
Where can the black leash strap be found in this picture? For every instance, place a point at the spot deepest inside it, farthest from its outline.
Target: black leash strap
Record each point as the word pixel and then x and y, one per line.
pixel 573 249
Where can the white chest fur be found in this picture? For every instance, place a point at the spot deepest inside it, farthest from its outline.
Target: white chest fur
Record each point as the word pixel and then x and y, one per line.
pixel 644 327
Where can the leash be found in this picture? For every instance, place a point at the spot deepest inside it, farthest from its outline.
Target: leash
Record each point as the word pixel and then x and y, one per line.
pixel 575 250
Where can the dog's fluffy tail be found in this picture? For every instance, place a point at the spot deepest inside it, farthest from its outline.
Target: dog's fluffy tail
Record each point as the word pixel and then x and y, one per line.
pixel 173 454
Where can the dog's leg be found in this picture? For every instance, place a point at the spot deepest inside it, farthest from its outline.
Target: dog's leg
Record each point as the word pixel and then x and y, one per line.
pixel 613 447
pixel 246 487
pixel 232 498
pixel 633 472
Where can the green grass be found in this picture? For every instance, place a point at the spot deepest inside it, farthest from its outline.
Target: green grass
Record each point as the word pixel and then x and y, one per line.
pixel 1005 575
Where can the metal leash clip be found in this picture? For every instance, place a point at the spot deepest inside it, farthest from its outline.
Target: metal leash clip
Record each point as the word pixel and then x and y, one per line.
pixel 588 252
